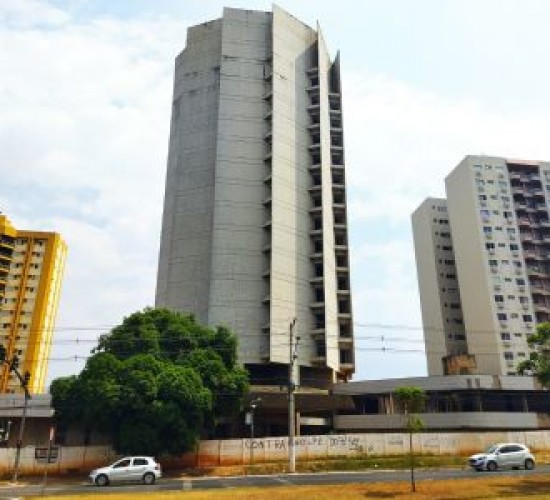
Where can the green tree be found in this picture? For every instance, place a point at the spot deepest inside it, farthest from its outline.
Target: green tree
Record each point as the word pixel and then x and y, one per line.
pixel 538 363
pixel 411 400
pixel 155 383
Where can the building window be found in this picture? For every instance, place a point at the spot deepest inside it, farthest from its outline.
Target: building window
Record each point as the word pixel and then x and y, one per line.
pixel 527 318
pixel 508 356
pixel 502 316
pixel 499 298
pixel 505 336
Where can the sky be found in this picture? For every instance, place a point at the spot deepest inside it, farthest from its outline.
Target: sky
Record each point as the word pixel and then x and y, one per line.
pixel 85 97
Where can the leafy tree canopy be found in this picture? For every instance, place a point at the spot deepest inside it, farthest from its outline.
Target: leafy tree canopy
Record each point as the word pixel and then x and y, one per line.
pixel 538 363
pixel 154 383
pixel 410 399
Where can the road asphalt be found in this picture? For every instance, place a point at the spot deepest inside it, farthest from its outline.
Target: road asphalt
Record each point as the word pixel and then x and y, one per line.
pixel 57 487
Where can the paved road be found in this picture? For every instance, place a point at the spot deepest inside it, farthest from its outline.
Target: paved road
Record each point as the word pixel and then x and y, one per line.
pixel 271 480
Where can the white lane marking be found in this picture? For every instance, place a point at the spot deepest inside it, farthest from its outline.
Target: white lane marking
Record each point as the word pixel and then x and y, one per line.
pixel 281 480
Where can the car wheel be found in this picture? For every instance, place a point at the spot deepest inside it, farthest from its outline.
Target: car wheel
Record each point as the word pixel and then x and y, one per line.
pixel 149 478
pixel 102 480
pixel 529 464
pixel 492 466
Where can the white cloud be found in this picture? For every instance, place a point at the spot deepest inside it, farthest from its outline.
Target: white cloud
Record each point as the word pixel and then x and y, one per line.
pixel 402 142
pixel 24 14
pixel 84 134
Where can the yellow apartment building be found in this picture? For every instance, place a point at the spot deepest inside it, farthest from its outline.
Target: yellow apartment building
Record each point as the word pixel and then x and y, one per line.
pixel 31 272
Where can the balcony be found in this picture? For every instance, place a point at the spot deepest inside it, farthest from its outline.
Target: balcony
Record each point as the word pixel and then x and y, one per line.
pixel 316 209
pixel 317 305
pixel 317 280
pixel 532 271
pixel 346 341
pixel 541 307
pixel 526 236
pixel 312 71
pixel 347 367
pixel 316 256
pixel 318 333
pixel 318 360
pixel 519 190
pixel 313 108
pixel 313 89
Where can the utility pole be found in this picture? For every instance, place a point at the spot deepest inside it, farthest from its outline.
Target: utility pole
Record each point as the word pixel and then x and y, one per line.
pixel 253 405
pixel 24 381
pixel 291 403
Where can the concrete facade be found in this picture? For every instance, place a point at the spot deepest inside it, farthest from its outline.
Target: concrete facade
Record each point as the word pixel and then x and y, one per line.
pixel 254 226
pixel 453 402
pixel 440 293
pixel 500 230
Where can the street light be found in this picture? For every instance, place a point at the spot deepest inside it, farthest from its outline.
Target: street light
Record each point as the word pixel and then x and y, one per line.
pixel 253 405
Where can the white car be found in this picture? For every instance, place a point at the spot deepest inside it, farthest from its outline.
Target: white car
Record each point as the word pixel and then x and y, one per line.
pixel 503 455
pixel 144 469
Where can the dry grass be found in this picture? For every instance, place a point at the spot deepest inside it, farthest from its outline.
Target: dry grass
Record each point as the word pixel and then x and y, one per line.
pixel 533 487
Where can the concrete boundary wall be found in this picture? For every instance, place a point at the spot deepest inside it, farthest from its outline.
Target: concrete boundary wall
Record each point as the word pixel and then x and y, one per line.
pixel 242 451
pixel 216 453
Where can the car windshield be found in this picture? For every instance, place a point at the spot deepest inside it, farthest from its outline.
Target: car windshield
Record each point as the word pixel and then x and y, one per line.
pixel 491 449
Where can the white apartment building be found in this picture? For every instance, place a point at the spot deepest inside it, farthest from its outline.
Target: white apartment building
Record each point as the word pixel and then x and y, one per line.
pixel 255 228
pixel 498 214
pixel 440 294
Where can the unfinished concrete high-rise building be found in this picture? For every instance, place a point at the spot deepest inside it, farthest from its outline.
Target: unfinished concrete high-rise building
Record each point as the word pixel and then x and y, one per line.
pixel 254 227
pixel 492 237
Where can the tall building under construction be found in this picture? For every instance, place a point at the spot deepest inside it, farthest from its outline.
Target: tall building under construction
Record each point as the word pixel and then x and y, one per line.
pixel 255 220
pixel 31 272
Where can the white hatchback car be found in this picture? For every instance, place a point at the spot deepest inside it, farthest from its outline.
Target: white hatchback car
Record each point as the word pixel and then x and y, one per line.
pixel 503 455
pixel 144 469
